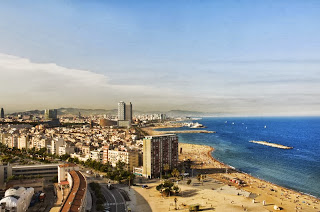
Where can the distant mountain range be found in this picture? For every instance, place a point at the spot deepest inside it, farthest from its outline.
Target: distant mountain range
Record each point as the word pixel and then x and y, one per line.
pixel 70 111
pixel 86 112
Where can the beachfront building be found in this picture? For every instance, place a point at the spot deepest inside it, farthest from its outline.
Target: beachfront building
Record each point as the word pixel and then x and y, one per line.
pixel 158 151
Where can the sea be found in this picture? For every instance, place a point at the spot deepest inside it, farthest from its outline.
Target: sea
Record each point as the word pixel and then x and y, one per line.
pixel 297 168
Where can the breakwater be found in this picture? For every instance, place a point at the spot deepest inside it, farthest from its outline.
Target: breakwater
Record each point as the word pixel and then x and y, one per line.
pixel 271 144
pixel 185 131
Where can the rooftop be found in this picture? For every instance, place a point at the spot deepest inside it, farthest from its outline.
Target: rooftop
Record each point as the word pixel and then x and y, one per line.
pixel 163 135
pixel 67 165
pixel 77 193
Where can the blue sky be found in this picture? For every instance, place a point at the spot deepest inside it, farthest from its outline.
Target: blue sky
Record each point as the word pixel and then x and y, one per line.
pixel 233 57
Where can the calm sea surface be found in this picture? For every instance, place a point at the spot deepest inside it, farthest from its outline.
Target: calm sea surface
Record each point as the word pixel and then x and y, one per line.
pixel 298 168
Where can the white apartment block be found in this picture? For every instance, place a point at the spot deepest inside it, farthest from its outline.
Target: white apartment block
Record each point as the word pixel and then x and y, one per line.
pixel 83 158
pixel 23 142
pixel 66 149
pixel 130 158
pixel 55 144
pixel 39 143
pixel 96 155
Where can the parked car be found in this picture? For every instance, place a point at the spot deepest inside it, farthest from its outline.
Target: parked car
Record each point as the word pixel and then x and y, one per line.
pixel 145 186
pixel 42 196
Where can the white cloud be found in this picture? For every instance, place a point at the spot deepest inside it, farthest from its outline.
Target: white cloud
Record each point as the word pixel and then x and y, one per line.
pixel 238 90
pixel 39 85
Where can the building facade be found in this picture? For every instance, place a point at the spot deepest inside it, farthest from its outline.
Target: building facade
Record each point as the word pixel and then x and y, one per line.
pixel 55 144
pixel 50 114
pixel 64 169
pixel 121 111
pixel 128 113
pixel 105 150
pixel 124 114
pixel 46 171
pixel 157 152
pixel 130 158
pixel 2 113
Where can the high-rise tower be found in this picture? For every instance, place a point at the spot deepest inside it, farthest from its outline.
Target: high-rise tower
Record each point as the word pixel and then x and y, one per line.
pixel 50 114
pixel 128 113
pixel 159 151
pixel 124 114
pixel 2 113
pixel 121 111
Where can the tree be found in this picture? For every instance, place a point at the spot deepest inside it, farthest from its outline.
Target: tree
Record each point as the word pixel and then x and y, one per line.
pixel 189 182
pixel 176 189
pixel 166 168
pixel 130 179
pixel 199 177
pixel 175 173
pixel 55 179
pixel 167 187
pixel 175 202
pixel 65 157
pixel 120 165
pixel 182 173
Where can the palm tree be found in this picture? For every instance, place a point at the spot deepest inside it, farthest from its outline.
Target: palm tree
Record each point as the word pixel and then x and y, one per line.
pixel 166 168
pixel 182 173
pixel 175 202
pixel 175 173
pixel 199 177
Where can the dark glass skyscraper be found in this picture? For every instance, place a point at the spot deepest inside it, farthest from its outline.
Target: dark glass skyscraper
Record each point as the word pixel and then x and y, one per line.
pixel 2 113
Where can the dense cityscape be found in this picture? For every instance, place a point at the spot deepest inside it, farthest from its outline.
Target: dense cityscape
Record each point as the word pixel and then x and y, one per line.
pixel 159 106
pixel 42 152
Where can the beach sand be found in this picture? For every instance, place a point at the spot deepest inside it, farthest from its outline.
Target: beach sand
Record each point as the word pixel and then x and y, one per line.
pixel 217 192
pixel 272 194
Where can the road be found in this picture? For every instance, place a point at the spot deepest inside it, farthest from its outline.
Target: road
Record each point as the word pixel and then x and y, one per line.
pixel 115 200
pixel 113 197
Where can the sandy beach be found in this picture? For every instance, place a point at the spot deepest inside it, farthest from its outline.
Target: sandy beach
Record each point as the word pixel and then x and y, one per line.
pixel 218 193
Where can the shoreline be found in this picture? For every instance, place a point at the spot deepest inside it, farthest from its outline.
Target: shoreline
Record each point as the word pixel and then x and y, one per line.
pixel 214 159
pixel 259 186
pixel 290 199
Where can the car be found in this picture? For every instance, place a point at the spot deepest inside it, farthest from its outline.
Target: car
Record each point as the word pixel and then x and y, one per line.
pixel 145 186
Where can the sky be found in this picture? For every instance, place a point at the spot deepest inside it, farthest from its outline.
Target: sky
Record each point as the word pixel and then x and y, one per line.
pixel 228 57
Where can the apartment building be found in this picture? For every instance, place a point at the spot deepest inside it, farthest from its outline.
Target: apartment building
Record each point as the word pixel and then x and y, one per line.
pixel 158 151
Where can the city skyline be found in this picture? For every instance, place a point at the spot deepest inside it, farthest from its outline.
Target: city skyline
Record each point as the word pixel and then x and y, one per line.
pixel 232 57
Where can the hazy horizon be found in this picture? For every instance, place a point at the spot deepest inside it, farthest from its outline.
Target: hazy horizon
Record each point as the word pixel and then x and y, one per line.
pixel 233 57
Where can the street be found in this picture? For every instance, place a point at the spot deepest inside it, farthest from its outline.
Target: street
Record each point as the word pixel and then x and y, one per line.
pixel 114 199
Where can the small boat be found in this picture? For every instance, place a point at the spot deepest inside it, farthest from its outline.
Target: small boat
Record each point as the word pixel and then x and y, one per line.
pixel 265 126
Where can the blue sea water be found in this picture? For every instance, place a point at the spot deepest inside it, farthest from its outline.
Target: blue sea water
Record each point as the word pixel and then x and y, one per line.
pixel 297 168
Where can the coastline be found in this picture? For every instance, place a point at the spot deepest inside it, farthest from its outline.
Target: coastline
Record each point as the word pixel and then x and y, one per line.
pixel 273 194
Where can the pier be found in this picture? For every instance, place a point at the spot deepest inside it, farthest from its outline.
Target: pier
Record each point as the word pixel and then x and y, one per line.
pixel 272 144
